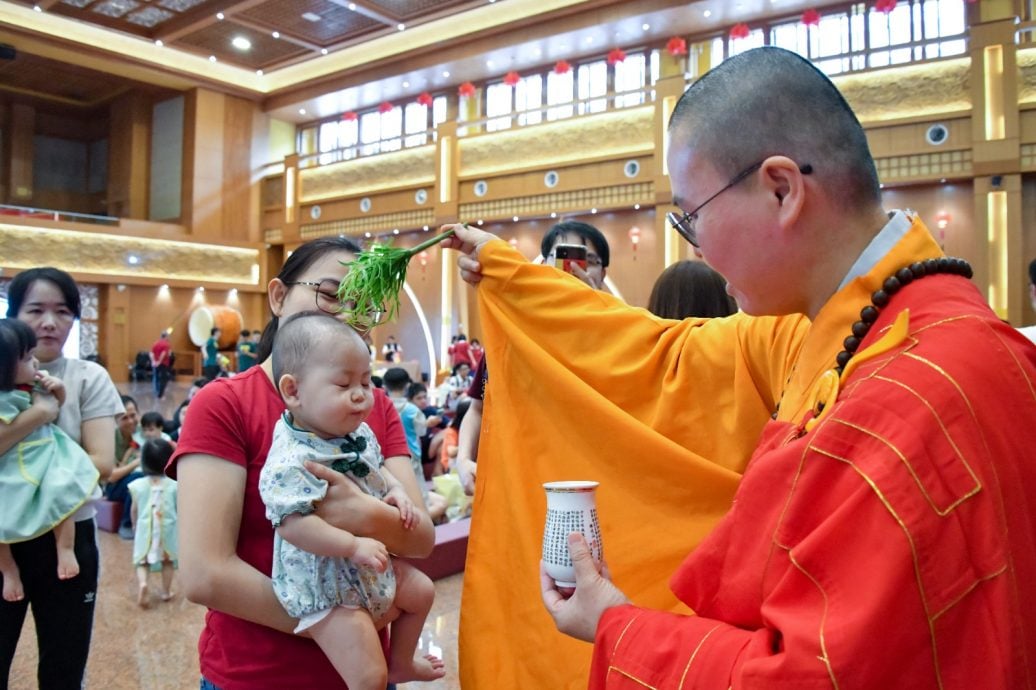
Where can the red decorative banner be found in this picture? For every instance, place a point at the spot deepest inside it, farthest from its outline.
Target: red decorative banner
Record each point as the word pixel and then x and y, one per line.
pixel 811 18
pixel 676 46
pixel 385 107
pixel 349 116
pixel 616 55
pixel 425 99
pixel 466 89
pixel 885 6
pixel 739 31
pixel 512 78
pixel 562 67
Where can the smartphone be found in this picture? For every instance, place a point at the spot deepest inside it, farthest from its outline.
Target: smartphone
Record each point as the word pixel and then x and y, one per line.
pixel 565 255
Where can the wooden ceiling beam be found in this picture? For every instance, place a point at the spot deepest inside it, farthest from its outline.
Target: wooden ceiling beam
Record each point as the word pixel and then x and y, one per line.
pixel 201 18
pixel 359 7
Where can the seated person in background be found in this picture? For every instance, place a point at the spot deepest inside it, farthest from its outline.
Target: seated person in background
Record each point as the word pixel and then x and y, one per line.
pixel 451 437
pixel 417 393
pixel 172 427
pixel 128 440
pixel 342 588
pixel 415 424
pixel 690 288
pixel 457 384
pixel 152 426
pixel 391 350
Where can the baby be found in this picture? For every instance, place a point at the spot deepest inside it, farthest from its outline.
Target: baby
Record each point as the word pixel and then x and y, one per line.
pixel 47 476
pixel 341 587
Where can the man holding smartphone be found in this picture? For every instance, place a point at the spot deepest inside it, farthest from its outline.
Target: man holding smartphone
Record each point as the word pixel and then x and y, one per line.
pixel 572 246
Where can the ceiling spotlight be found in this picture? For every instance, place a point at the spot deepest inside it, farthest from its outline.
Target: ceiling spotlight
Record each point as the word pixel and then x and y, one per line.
pixel 426 228
pixel 645 27
pixel 515 219
pixel 400 26
pixel 553 214
pixel 212 58
pixel 323 51
pixel 446 75
pixel 589 40
pixel 707 13
pixel 311 17
pixel 636 207
pixel 489 64
pixel 367 235
pixel 219 16
pixel 241 43
pixel 37 8
pixel 302 111
pixel 232 293
pixel 259 72
pixel 200 288
pixel 480 222
pixel 406 85
pixel 352 6
pixel 276 34
pixel 133 259
pixel 593 210
pixel 158 42
pixel 395 231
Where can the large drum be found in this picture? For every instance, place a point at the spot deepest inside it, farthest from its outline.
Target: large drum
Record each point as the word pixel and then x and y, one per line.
pixel 204 319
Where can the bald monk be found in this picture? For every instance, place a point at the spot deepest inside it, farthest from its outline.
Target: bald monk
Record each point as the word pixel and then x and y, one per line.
pixel 882 535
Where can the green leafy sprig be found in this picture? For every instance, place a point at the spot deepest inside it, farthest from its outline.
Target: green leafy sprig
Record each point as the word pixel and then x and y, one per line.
pixel 370 290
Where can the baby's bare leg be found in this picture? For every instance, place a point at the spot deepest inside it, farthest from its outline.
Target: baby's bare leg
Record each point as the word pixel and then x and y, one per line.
pixel 414 596
pixel 350 642
pixel 13 590
pixel 143 600
pixel 65 538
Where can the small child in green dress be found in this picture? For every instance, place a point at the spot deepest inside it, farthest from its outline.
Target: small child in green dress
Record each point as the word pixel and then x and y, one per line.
pixel 154 520
pixel 46 476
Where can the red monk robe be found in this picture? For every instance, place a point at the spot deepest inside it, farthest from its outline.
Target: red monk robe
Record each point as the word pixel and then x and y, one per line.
pixel 664 414
pixel 891 545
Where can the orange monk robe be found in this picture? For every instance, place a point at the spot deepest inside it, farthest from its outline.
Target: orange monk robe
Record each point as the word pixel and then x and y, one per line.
pixel 664 414
pixel 883 540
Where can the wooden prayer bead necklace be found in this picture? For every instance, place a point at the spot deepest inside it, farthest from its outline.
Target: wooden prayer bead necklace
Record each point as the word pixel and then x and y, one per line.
pixel 880 299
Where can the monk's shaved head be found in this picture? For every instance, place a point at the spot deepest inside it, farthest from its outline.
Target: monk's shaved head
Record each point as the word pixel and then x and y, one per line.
pixel 768 102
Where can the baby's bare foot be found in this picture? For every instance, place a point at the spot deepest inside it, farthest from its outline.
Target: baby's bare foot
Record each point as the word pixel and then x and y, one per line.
pixel 142 596
pixel 68 565
pixel 428 667
pixel 13 590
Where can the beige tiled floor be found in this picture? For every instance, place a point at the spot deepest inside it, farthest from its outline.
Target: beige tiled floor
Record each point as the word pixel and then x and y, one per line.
pixel 157 648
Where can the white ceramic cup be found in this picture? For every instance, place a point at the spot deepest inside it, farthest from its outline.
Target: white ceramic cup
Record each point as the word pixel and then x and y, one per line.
pixel 571 507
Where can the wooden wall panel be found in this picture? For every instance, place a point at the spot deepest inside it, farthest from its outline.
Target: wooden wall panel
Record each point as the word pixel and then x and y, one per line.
pixel 239 221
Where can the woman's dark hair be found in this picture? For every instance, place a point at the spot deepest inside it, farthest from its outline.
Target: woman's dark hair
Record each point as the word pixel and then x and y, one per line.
pixel 301 259
pixel 584 231
pixel 16 340
pixel 21 283
pixel 213 331
pixel 126 400
pixel 154 456
pixel 458 415
pixel 690 288
pixel 415 389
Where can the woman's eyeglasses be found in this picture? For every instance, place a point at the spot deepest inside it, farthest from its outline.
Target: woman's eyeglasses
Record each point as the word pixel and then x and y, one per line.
pixel 325 294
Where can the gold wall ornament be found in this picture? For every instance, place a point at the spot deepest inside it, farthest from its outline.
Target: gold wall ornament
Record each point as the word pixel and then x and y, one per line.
pixel 617 133
pixel 413 167
pixel 907 91
pixel 123 257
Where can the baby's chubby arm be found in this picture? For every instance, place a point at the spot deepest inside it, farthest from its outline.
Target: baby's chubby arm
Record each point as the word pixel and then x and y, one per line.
pixel 52 385
pixel 313 534
pixel 397 496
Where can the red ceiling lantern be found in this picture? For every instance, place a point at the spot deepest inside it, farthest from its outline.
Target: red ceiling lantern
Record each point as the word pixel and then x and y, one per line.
pixel 811 18
pixel 385 107
pixel 616 55
pixel 562 67
pixel 739 30
pixel 942 219
pixel 885 6
pixel 676 46
pixel 634 234
pixel 349 116
pixel 425 99
pixel 466 89
pixel 512 78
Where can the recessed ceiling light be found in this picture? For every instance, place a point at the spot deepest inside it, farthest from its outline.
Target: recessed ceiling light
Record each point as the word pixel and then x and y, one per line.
pixel 352 6
pixel 406 85
pixel 707 13
pixel 311 17
pixel 276 34
pixel 593 210
pixel 515 219
pixel 158 42
pixel 636 207
pixel 395 231
pixel 489 64
pixel 537 52
pixel 259 72
pixel 400 26
pixel 553 214
pixel 133 260
pixel 37 8
pixel 589 40
pixel 367 235
pixel 446 75
pixel 645 27
pixel 241 43
pixel 212 58
pixel 323 51
pixel 219 16
pixel 302 111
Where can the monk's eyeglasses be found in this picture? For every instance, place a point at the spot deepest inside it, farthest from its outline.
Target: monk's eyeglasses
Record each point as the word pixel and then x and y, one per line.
pixel 684 225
